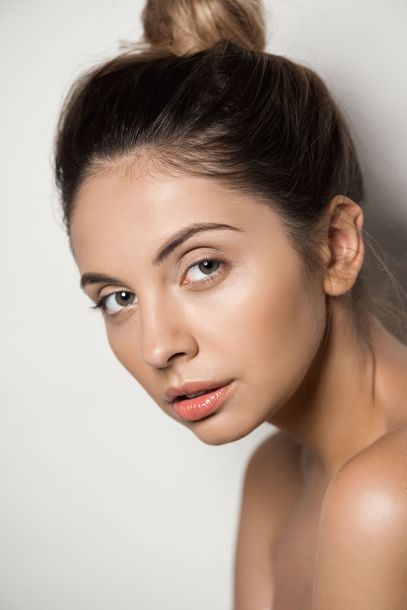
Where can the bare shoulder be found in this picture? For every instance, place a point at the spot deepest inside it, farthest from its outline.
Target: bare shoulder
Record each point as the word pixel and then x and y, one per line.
pixel 362 540
pixel 384 462
pixel 271 484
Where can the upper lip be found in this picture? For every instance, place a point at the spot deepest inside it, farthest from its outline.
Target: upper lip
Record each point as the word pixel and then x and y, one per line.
pixel 191 387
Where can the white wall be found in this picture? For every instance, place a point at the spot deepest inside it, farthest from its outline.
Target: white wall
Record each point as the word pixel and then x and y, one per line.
pixel 105 502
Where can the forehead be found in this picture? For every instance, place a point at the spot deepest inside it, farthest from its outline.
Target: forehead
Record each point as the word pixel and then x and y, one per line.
pixel 119 211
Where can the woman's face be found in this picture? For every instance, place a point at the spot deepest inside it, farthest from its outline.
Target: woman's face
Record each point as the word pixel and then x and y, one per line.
pixel 227 304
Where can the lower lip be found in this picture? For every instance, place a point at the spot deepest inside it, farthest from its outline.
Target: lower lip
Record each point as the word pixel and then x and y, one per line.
pixel 200 406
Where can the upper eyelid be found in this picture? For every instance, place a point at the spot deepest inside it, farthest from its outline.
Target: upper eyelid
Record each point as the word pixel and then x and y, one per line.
pixel 218 259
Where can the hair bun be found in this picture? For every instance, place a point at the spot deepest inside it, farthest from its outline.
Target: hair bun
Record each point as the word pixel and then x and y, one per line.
pixel 187 26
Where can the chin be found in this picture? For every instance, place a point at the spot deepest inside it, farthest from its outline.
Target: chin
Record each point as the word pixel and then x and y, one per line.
pixel 220 429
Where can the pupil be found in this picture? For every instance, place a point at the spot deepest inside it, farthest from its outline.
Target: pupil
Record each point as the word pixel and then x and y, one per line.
pixel 207 266
pixel 124 298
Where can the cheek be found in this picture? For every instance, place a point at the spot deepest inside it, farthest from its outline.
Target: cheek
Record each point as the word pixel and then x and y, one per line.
pixel 123 341
pixel 275 330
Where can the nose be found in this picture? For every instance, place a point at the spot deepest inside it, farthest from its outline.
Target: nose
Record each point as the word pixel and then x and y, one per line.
pixel 165 335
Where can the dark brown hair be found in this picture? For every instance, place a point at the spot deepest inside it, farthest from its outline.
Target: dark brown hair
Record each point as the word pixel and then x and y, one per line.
pixel 200 95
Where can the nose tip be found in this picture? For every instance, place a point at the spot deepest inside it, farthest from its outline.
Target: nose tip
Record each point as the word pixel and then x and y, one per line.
pixel 165 338
pixel 161 358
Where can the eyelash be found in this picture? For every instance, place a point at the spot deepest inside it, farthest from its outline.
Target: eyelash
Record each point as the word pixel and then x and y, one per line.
pixel 101 304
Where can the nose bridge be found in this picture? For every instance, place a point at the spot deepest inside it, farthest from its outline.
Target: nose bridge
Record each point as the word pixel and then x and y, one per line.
pixel 163 330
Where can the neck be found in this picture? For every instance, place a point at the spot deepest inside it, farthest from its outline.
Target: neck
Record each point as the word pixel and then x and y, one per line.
pixel 343 405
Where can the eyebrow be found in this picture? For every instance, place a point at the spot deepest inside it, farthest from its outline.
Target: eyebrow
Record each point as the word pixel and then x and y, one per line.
pixel 165 251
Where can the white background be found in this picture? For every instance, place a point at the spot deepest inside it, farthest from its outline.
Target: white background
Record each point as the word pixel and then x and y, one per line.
pixel 106 503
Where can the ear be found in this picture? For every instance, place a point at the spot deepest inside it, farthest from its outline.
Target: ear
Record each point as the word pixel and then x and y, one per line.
pixel 344 247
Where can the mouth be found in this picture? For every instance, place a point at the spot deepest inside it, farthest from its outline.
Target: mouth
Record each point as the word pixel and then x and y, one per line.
pixel 191 389
pixel 201 404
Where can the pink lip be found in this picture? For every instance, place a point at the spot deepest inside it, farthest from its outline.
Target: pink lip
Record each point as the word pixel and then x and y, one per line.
pixel 192 387
pixel 200 406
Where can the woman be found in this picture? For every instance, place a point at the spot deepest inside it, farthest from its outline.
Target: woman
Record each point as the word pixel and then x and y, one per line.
pixel 213 201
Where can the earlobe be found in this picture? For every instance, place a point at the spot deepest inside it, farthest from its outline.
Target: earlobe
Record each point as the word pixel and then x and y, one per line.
pixel 344 245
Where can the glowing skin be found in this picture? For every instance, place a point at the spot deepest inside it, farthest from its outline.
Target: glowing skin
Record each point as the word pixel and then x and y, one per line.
pixel 256 322
pixel 257 319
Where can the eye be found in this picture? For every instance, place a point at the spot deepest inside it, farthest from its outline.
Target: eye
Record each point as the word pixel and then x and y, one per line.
pixel 113 303
pixel 204 271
